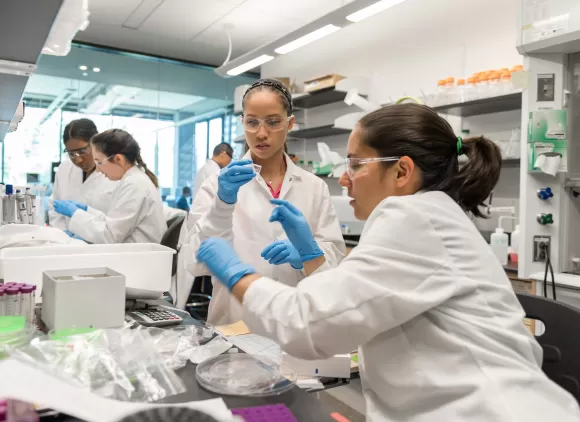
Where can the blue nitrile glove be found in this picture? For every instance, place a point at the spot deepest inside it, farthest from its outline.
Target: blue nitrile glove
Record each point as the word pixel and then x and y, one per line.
pixel 297 229
pixel 80 205
pixel 66 208
pixel 221 259
pixel 74 236
pixel 232 178
pixel 282 252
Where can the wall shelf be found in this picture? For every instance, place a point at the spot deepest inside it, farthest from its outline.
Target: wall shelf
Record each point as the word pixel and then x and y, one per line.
pixel 318 98
pixel 318 132
pixel 490 105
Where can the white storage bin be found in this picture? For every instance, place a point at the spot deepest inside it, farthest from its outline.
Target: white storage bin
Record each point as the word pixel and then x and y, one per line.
pixel 146 266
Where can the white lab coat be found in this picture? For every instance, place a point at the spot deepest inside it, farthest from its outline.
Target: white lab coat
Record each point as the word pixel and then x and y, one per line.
pixel 209 169
pixel 246 225
pixel 438 326
pixel 97 191
pixel 135 216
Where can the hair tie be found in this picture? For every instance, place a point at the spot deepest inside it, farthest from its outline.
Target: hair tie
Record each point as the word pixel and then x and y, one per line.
pixel 272 83
pixel 459 146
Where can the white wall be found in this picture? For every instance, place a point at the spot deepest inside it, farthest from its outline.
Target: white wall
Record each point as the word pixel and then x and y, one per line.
pixel 409 47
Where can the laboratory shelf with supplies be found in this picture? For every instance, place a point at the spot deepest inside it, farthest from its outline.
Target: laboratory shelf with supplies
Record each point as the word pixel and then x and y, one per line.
pixel 509 102
pixel 318 98
pixel 318 132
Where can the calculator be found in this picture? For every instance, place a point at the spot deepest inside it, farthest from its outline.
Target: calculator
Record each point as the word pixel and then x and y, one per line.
pixel 155 317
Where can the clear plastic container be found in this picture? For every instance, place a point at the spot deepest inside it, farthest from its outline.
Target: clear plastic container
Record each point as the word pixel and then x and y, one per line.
pixel 12 301
pixel 470 90
pixel 310 166
pixel 495 87
pixel 2 296
pixel 506 83
pixel 441 95
pixel 483 86
pixel 451 90
pixel 460 90
pixel 26 302
pixel 245 375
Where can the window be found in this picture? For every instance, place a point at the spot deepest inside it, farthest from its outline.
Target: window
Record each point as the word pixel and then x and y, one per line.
pixel 215 134
pixel 201 132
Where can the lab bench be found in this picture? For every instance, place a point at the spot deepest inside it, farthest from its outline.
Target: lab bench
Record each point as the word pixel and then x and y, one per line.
pixel 305 406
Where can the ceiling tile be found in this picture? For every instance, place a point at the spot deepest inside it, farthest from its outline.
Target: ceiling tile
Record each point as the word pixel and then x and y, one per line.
pixel 111 11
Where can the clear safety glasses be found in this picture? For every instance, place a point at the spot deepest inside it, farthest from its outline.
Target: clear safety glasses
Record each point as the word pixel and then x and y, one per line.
pixel 272 124
pixel 355 165
pixel 81 152
pixel 102 163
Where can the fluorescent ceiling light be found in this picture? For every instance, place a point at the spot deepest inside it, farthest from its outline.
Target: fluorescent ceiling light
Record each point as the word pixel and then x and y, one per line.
pixel 250 65
pixel 307 39
pixel 83 67
pixel 96 69
pixel 373 9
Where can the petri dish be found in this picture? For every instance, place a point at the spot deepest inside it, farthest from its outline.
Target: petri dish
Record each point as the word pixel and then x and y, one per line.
pixel 245 375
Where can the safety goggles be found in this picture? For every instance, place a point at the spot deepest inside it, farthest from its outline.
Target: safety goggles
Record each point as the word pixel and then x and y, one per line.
pixel 272 124
pixel 354 166
pixel 102 163
pixel 81 152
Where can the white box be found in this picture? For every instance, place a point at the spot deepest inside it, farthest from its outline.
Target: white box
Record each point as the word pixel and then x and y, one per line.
pixel 146 266
pixel 337 366
pixel 83 298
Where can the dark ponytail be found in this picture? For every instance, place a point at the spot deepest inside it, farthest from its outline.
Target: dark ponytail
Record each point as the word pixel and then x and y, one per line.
pixel 418 132
pixel 117 141
pixel 149 173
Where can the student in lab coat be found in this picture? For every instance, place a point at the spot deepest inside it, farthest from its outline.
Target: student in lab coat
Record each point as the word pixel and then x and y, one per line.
pixel 236 205
pixel 77 179
pixel 222 156
pixel 136 212
pixel 438 326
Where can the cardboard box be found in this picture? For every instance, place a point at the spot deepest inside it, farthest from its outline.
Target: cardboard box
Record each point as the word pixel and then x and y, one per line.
pixel 322 82
pixel 286 81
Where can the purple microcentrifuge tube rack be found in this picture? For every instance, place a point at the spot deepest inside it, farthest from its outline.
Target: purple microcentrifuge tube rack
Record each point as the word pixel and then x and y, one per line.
pixel 269 413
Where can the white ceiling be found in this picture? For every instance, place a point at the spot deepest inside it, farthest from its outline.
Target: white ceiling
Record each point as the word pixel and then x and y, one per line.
pixel 194 29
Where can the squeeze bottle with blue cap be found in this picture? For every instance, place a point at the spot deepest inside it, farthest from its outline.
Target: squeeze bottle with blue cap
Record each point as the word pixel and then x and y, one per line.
pixel 9 205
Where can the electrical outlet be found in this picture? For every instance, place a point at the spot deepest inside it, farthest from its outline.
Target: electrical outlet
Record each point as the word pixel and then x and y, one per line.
pixel 541 248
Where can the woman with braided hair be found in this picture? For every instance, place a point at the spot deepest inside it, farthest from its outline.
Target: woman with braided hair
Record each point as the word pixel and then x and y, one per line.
pixel 136 212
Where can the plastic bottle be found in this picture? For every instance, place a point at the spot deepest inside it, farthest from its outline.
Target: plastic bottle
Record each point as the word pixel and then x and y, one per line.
pixel 441 97
pixel 301 164
pixel 452 96
pixel 12 301
pixel 470 90
pixel 515 246
pixel 499 245
pixel 483 86
pixel 506 83
pixel 494 85
pixel 9 205
pixel 460 90
pixel 310 167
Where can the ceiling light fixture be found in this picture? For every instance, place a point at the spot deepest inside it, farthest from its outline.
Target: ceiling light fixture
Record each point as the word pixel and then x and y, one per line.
pixel 373 9
pixel 307 39
pixel 353 11
pixel 96 69
pixel 83 67
pixel 250 65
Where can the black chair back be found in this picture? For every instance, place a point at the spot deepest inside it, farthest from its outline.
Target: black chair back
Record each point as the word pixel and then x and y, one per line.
pixel 560 340
pixel 171 238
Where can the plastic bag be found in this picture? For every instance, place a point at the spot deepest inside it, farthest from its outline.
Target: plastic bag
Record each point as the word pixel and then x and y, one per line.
pixel 119 364
pixel 175 344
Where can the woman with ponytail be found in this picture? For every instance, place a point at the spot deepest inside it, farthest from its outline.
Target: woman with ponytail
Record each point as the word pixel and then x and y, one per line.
pixel 136 213
pixel 438 327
